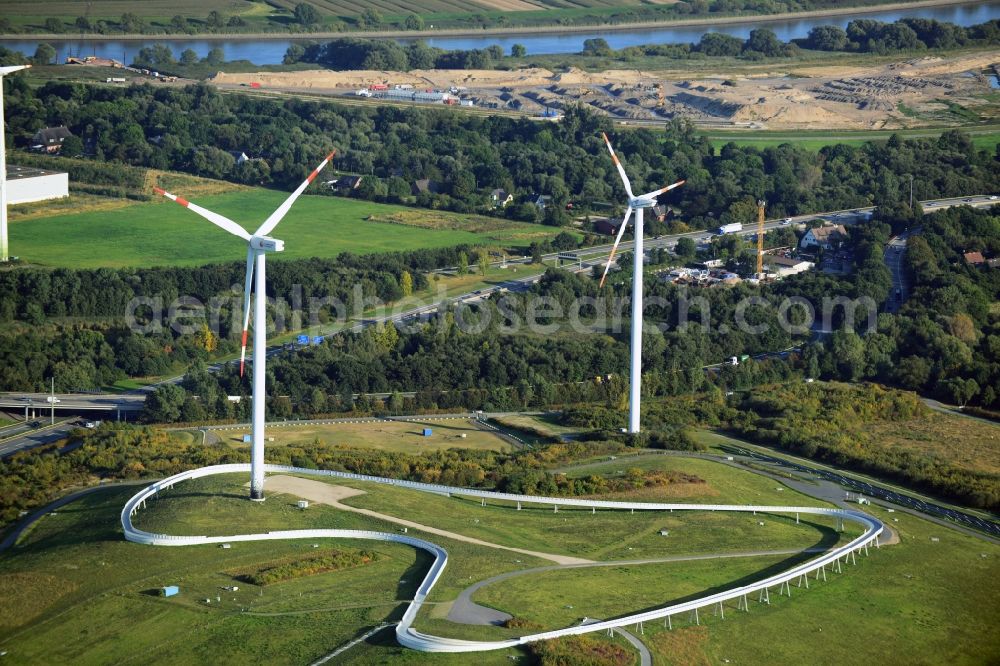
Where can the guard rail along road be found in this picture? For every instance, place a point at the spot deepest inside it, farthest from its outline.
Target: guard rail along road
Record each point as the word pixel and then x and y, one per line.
pixel 409 637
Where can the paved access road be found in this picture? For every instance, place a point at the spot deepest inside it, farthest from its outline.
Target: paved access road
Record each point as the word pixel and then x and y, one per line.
pixel 894 256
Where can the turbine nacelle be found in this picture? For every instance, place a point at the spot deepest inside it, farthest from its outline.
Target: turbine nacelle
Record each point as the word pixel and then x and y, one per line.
pixel 266 244
pixel 641 202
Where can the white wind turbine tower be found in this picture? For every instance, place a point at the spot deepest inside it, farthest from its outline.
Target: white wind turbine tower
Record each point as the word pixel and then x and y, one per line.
pixel 635 204
pixel 4 71
pixel 259 244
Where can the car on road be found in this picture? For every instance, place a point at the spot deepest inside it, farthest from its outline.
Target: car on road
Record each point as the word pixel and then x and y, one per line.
pixel 35 424
pixel 967 200
pixel 786 221
pixel 993 197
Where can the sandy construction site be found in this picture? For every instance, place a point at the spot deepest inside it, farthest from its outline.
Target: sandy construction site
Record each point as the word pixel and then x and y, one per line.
pixel 903 94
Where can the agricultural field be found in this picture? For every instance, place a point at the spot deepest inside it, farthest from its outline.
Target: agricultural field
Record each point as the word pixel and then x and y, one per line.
pixel 340 15
pixel 160 233
pixel 396 436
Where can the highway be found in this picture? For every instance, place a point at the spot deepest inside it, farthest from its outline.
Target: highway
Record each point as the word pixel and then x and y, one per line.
pixel 30 438
pixel 835 559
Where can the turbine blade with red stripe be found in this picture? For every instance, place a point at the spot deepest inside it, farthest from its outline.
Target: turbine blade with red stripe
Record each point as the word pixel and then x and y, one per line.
pixel 251 259
pixel 651 195
pixel 271 222
pixel 621 169
pixel 614 248
pixel 216 219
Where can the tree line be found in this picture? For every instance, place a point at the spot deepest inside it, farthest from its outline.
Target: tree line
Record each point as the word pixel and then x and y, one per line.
pixel 305 17
pixel 115 452
pixel 860 36
pixel 191 129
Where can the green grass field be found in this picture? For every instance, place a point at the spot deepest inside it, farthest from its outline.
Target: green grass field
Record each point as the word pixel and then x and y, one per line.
pixel 598 536
pixel 402 437
pixel 916 599
pixel 161 233
pixel 983 138
pixel 560 598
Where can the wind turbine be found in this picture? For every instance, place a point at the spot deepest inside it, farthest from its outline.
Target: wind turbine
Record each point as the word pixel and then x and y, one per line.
pixel 4 71
pixel 635 204
pixel 259 245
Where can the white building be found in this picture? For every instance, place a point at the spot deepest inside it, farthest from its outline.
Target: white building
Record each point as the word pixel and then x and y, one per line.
pixel 26 184
pixel 825 238
pixel 782 266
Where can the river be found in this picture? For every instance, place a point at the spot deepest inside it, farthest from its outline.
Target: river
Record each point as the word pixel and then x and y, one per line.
pixel 271 51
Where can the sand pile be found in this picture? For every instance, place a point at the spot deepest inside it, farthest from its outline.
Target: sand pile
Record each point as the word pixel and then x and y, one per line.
pixel 485 78
pixel 789 113
pixel 319 78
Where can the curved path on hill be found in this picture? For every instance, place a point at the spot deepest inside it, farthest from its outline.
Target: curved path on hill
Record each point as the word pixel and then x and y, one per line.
pixel 409 637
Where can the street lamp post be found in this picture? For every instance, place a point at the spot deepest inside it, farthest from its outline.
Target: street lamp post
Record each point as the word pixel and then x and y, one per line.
pixel 4 253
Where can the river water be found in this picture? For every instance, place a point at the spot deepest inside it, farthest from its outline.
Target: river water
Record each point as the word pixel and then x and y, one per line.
pixel 271 51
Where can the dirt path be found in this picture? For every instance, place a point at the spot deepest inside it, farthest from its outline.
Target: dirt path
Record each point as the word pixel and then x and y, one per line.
pixel 325 493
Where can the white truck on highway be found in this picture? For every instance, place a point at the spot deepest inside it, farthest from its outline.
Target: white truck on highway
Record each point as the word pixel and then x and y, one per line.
pixel 732 228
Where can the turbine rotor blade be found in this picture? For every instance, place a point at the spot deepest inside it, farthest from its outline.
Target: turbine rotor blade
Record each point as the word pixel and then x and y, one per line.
pixel 614 248
pixel 272 221
pixel 650 195
pixel 618 164
pixel 216 219
pixel 251 259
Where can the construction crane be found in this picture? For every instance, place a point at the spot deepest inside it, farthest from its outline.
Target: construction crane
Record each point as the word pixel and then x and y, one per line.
pixel 760 239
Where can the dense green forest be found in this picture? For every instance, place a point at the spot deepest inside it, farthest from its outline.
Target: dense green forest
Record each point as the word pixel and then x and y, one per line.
pixel 59 307
pixel 498 355
pixel 190 129
pixel 860 36
pixel 471 155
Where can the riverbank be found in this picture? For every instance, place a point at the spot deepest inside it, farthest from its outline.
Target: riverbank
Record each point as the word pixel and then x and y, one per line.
pixel 864 10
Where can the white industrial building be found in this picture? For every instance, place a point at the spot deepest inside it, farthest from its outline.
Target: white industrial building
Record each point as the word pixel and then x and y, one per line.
pixel 26 184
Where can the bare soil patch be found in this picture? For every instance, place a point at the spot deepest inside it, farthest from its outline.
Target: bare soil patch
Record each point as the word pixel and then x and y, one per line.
pixel 789 97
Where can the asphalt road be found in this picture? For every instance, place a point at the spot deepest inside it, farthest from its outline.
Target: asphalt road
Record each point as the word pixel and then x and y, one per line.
pixel 945 514
pixel 895 259
pixel 32 438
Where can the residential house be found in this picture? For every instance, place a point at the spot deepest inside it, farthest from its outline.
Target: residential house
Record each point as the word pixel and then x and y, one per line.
pixel 606 226
pixel 541 201
pixel 974 258
pixel 501 198
pixel 426 185
pixel 824 238
pixel 344 183
pixel 50 139
pixel 662 213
